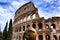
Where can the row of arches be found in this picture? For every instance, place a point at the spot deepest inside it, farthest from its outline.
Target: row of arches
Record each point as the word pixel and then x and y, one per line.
pixel 33 16
pixel 21 28
pixel 47 37
pixel 40 26
pixel 28 18
pixel 52 26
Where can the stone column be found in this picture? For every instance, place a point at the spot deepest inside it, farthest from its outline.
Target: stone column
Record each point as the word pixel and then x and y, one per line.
pixel 31 24
pixel 51 36
pixel 21 38
pixel 37 15
pixel 26 17
pixel 31 16
pixel 57 36
pixel 44 36
pixel 18 33
pixel 43 24
pixel 36 25
pixel 18 37
pixel 25 26
pixel 37 37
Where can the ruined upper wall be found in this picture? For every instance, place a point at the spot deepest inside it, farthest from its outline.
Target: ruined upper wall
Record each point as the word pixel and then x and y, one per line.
pixel 53 19
pixel 25 8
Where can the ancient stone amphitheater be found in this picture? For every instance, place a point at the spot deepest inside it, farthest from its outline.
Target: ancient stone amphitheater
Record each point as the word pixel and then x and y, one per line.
pixel 27 15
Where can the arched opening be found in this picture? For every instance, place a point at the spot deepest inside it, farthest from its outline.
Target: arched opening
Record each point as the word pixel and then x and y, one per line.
pixel 47 26
pixel 40 25
pixel 23 38
pixel 34 16
pixel 53 26
pixel 23 28
pixel 20 29
pixel 28 17
pixel 47 37
pixel 40 37
pixel 28 25
pixel 55 37
pixel 34 26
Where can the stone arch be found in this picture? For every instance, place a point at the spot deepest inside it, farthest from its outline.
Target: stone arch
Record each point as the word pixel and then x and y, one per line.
pixel 34 25
pixel 28 17
pixel 53 26
pixel 28 25
pixel 40 25
pixel 47 26
pixel 23 28
pixel 47 37
pixel 40 37
pixel 33 16
pixel 55 37
pixel 20 28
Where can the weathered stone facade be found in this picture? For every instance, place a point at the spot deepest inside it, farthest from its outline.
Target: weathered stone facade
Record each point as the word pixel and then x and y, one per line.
pixel 27 15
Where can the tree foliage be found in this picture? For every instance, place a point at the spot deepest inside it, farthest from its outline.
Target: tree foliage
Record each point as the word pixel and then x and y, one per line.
pixel 0 35
pixel 10 29
pixel 5 32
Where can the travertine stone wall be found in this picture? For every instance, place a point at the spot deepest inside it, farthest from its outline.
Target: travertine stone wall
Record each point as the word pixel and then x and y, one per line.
pixel 27 15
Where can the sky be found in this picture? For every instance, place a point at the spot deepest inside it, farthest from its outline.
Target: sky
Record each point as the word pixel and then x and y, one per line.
pixel 46 9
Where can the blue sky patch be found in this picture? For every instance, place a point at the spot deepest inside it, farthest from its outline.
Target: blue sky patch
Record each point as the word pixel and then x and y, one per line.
pixel 46 8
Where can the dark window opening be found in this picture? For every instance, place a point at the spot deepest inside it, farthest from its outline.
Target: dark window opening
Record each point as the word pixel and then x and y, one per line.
pixel 20 28
pixel 28 25
pixel 23 28
pixel 55 37
pixel 40 37
pixel 53 26
pixel 47 26
pixel 34 26
pixel 23 38
pixel 47 37
pixel 40 25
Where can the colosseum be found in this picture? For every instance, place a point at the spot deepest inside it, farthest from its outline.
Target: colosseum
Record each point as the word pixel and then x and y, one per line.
pixel 27 15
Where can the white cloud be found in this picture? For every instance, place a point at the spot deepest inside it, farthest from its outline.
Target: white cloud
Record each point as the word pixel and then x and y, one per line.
pixel 57 14
pixel 8 13
pixel 17 4
pixel 48 0
pixel 2 10
pixel 47 15
pixel 5 16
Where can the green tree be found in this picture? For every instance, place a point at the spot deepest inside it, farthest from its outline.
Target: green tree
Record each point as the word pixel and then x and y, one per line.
pixel 0 35
pixel 5 32
pixel 10 29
